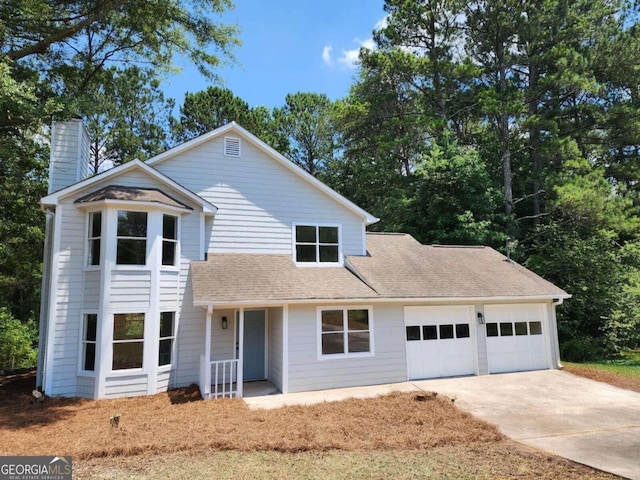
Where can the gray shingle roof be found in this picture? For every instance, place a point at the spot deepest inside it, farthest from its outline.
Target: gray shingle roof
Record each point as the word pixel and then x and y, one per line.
pixel 397 266
pixel 228 278
pixel 135 194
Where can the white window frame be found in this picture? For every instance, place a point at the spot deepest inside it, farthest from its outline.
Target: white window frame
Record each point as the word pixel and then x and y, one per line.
pixel 88 239
pixel 317 263
pixel 172 337
pixel 176 242
pixel 148 244
pixel 143 340
pixel 83 342
pixel 345 309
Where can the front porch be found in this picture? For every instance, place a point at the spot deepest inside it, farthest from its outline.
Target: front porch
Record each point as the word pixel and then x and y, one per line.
pixel 244 354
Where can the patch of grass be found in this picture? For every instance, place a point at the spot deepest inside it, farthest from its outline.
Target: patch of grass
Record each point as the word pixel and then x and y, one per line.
pixel 623 372
pixel 504 460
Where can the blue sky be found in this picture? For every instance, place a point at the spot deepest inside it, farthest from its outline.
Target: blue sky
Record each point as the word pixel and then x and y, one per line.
pixel 290 46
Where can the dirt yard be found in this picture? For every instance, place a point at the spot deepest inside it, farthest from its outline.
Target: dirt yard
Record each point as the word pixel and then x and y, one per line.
pixel 621 380
pixel 398 433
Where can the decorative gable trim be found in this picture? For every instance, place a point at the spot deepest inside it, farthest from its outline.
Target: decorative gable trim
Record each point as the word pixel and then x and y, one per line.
pixel 54 198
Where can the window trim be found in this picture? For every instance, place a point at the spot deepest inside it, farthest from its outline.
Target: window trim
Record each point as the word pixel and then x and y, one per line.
pixel 317 263
pixel 345 309
pixel 171 365
pixel 87 239
pixel 112 341
pixel 81 343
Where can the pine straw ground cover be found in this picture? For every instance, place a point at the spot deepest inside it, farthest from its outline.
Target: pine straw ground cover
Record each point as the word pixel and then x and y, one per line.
pixel 179 428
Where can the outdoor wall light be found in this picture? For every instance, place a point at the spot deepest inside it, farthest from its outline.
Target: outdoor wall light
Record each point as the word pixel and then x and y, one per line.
pixel 480 318
pixel 224 323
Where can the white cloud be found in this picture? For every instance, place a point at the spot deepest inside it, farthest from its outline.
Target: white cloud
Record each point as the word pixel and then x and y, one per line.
pixel 382 23
pixel 326 55
pixel 349 58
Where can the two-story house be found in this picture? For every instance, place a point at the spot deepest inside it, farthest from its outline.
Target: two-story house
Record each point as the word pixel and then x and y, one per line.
pixel 220 262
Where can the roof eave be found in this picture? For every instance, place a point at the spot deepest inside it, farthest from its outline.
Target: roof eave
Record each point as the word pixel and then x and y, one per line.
pixel 223 304
pixel 53 199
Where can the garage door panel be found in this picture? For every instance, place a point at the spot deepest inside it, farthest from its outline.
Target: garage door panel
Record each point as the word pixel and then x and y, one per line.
pixel 439 342
pixel 515 339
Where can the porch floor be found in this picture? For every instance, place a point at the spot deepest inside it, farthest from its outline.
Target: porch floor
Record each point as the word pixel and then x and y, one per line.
pixel 259 388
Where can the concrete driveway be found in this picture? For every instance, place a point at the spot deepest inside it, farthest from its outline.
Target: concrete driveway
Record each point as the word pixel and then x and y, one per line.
pixel 586 421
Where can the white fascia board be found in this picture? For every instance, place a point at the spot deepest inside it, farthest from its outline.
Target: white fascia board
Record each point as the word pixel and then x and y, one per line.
pixel 284 161
pixel 54 198
pixel 403 300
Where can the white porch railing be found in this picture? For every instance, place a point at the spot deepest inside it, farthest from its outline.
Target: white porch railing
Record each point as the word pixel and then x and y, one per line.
pixel 219 378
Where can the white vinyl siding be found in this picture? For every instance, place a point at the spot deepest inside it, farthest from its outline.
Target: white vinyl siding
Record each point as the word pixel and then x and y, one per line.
pixel 86 387
pixel 258 200
pixel 163 381
pixel 91 289
pixel 130 290
pixel 275 346
pixel 126 386
pixel 67 301
pixel 307 372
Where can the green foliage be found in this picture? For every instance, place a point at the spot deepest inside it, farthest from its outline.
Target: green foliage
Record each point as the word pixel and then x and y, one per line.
pixel 455 202
pixel 126 116
pixel 17 341
pixel 306 122
pixel 214 107
pixel 99 59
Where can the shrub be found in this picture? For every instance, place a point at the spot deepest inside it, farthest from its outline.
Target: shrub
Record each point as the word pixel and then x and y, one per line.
pixel 16 342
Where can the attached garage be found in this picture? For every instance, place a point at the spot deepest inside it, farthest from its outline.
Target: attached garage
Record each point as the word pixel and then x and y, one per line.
pixel 440 341
pixel 516 337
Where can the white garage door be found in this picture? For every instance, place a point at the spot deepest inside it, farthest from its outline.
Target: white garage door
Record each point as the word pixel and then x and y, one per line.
pixel 516 339
pixel 439 341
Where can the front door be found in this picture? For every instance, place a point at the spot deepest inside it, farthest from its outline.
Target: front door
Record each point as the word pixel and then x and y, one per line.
pixel 254 345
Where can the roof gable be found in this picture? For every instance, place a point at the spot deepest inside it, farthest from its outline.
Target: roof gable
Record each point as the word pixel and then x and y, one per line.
pixel 116 172
pixel 236 129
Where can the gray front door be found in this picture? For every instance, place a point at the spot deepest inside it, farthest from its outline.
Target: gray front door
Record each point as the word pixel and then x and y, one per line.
pixel 254 345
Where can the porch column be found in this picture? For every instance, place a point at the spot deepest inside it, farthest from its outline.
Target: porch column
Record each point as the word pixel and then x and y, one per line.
pixel 207 352
pixel 239 375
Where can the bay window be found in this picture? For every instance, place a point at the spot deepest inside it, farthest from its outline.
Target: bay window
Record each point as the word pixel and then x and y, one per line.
pixel 167 336
pixel 128 340
pixel 169 239
pixel 89 329
pixel 94 238
pixel 131 238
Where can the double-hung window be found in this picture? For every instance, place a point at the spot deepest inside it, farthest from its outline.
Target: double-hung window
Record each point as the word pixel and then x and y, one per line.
pixel 169 239
pixel 167 336
pixel 345 331
pixel 128 340
pixel 89 330
pixel 132 238
pixel 317 244
pixel 94 238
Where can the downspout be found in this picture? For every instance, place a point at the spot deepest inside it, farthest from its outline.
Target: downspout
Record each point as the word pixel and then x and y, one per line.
pixel 45 296
pixel 556 340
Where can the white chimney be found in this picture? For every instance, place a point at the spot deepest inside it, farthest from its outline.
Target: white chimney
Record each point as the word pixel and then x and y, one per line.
pixel 70 154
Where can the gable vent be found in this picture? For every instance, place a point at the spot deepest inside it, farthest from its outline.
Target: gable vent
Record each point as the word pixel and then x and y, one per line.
pixel 232 146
